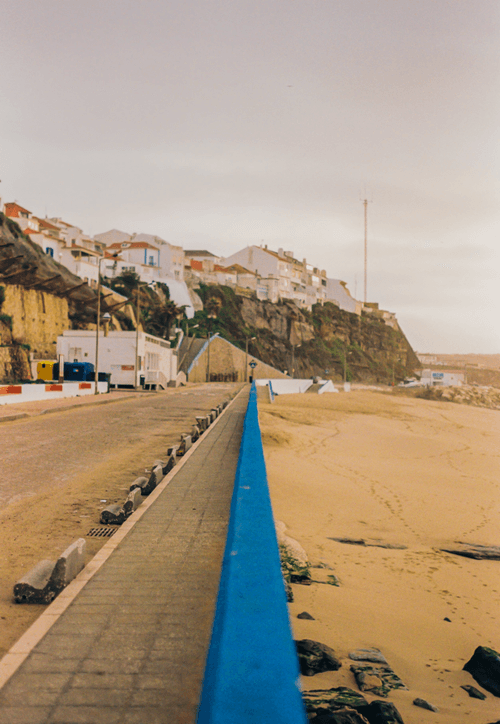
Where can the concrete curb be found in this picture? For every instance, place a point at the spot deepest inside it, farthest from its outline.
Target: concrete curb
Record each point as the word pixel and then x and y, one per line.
pixel 19 652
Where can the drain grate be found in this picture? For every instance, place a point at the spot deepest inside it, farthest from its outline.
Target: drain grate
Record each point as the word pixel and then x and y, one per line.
pixel 101 532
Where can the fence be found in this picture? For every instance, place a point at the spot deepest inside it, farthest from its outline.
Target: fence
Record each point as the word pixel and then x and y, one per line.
pixel 252 673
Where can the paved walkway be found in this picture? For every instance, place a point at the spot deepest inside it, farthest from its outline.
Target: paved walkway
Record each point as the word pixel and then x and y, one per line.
pixel 131 647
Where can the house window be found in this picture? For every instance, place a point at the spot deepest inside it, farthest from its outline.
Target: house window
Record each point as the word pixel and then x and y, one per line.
pixel 49 251
pixel 151 261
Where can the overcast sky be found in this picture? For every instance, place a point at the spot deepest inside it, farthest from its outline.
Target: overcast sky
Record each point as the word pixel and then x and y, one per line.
pixel 221 123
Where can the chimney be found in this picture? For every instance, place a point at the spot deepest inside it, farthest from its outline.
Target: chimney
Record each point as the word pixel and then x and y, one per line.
pixel 281 252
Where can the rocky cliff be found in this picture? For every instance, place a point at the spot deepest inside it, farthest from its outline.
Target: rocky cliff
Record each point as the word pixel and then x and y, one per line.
pixel 326 341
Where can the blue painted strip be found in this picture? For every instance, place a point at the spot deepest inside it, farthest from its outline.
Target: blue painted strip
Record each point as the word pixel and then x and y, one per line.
pixel 252 672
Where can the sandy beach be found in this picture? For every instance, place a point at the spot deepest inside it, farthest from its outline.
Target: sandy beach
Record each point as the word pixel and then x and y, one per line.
pixel 414 475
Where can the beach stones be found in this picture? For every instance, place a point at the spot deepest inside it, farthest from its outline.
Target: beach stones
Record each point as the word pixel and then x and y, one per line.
pixel 373 655
pixel 478 552
pixel 383 712
pixel 315 657
pixel 473 692
pixel 341 716
pixel 327 704
pixel 423 704
pixel 320 701
pixel 484 666
pixel 377 680
pixel 306 616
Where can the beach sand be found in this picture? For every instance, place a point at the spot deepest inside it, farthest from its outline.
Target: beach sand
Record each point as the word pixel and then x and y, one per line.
pixel 407 472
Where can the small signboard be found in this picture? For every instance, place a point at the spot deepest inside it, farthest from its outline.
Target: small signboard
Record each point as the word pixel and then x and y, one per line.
pixel 253 364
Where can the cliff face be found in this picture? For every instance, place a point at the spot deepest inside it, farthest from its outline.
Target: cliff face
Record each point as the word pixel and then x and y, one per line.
pixel 322 342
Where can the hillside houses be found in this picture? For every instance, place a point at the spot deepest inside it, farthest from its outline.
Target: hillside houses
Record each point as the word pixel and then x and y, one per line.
pixel 271 275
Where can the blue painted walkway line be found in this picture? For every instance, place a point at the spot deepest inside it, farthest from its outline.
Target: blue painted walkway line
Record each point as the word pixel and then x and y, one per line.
pixel 252 672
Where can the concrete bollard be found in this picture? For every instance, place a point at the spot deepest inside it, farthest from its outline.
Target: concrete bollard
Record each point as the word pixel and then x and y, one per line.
pixel 202 423
pixel 172 450
pixel 186 443
pixel 155 478
pixel 134 499
pixel 213 414
pixel 113 514
pixel 68 565
pixel 195 433
pixel 170 462
pixel 34 586
pixel 139 483
pixel 209 420
pixel 47 579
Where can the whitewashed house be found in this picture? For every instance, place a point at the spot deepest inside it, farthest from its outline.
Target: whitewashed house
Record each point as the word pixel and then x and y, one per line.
pixel 132 359
pixel 337 292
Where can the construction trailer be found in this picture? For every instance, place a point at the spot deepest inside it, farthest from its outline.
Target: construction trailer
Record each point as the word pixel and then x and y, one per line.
pixel 133 359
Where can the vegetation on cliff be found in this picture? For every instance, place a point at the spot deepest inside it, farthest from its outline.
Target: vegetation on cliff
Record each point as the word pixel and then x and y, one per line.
pixel 327 341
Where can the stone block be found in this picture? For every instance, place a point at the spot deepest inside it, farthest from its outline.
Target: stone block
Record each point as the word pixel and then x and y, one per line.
pixel 68 565
pixel 139 483
pixel 113 514
pixel 34 586
pixel 202 423
pixel 186 444
pixel 195 433
pixel 134 499
pixel 172 450
pixel 170 462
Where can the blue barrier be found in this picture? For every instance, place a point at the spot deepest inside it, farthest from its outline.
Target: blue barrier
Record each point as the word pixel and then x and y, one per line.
pixel 252 672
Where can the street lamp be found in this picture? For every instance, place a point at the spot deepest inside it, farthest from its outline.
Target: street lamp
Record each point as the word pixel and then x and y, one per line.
pixel 211 316
pixel 138 314
pixel 97 326
pixel 247 340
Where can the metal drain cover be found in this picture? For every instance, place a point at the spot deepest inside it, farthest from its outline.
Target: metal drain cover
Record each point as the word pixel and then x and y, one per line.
pixel 101 532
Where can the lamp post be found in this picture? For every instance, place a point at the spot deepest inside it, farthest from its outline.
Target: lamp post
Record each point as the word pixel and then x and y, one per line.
pixel 247 340
pixel 97 327
pixel 210 316
pixel 138 313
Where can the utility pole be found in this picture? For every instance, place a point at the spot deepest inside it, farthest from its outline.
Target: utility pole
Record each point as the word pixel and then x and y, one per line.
pixel 365 204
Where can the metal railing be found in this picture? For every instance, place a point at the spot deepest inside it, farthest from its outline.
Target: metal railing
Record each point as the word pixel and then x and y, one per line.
pixel 155 377
pixel 252 672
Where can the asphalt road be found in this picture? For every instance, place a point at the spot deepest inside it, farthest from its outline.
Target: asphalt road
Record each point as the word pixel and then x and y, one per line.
pixel 48 451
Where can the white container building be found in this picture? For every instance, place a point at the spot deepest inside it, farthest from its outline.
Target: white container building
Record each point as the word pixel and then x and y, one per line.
pixel 118 354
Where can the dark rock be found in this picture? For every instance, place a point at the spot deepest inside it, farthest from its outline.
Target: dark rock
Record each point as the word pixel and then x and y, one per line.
pixel 373 655
pixel 303 578
pixel 350 541
pixel 485 668
pixel 478 552
pixel 288 591
pixel 306 615
pixel 473 692
pixel 377 680
pixel 340 716
pixel 320 701
pixel 423 704
pixel 382 712
pixel 314 657
pixel 447 619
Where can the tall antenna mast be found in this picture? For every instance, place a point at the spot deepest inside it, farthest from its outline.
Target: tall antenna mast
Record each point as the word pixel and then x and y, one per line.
pixel 365 204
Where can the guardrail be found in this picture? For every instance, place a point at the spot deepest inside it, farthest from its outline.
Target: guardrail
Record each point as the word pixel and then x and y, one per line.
pixel 252 672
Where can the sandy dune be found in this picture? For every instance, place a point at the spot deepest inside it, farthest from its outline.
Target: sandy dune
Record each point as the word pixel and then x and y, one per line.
pixel 405 472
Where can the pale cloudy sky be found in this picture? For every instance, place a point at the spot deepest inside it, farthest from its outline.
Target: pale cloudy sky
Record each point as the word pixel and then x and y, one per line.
pixel 220 123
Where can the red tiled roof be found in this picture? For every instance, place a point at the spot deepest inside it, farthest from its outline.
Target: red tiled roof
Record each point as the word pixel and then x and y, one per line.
pixel 198 265
pixel 12 209
pixel 132 245
pixel 241 269
pixel 46 224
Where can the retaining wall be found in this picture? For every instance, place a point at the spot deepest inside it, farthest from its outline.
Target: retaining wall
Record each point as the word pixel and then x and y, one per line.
pixel 27 393
pixel 252 672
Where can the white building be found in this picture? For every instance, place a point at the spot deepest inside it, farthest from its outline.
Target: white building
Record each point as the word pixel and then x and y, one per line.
pixel 170 259
pixel 118 352
pixel 452 378
pixel 281 276
pixel 337 292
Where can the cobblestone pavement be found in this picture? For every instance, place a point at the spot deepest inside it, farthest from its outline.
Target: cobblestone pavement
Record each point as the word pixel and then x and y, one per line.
pixel 131 647
pixel 79 435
